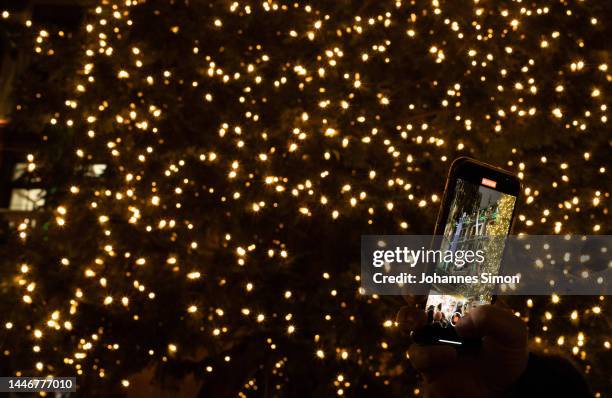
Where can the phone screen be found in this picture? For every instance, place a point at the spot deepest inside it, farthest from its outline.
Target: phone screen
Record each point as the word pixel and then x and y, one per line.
pixel 476 213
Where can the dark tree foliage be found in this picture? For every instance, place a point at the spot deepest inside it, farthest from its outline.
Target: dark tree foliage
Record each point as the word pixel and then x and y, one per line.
pixel 248 146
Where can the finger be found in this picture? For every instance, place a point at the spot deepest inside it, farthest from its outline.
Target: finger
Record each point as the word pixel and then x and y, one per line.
pixel 410 318
pixel 414 300
pixel 495 322
pixel 502 303
pixel 426 359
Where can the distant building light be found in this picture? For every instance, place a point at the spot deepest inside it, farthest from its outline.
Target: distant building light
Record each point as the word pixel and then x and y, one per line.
pixel 95 170
pixel 19 170
pixel 26 199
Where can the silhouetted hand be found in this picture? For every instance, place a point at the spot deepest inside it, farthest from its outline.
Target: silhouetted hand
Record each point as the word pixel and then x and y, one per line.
pixel 487 372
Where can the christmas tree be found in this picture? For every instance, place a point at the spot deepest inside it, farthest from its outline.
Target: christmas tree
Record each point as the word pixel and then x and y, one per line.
pixel 210 167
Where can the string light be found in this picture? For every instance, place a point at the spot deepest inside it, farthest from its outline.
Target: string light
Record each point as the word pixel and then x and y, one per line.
pixel 328 124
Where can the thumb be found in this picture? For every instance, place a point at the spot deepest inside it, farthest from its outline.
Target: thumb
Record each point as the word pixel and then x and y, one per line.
pixel 495 322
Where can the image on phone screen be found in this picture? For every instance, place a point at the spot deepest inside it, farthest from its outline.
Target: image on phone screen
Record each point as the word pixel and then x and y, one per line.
pixel 476 213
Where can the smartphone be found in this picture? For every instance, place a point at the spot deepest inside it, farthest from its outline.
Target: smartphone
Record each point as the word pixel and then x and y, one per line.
pixel 476 215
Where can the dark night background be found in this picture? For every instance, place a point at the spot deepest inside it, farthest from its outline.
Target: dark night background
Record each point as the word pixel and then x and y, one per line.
pixel 206 170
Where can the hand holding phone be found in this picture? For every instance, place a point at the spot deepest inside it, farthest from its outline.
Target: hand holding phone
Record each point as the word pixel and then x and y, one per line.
pixel 475 217
pixel 486 371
